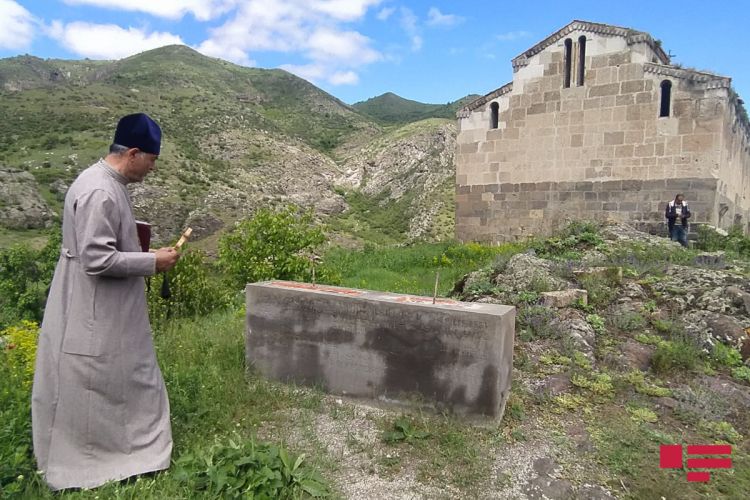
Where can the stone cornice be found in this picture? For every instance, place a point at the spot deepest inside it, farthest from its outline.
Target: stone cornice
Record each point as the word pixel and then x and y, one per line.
pixel 466 110
pixel 631 36
pixel 710 80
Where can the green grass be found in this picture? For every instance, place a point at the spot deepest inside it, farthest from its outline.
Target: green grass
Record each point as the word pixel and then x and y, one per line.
pixel 412 269
pixel 36 238
pixel 211 398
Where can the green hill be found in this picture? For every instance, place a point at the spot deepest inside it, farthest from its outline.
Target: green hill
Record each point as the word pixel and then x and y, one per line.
pixel 235 138
pixel 389 109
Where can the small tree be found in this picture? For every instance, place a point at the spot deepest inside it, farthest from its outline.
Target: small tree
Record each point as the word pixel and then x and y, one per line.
pixel 271 245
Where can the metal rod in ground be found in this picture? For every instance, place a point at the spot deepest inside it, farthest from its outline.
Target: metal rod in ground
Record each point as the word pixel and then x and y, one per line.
pixel 437 279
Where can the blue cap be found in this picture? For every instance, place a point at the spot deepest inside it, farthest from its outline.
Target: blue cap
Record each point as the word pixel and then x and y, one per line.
pixel 139 131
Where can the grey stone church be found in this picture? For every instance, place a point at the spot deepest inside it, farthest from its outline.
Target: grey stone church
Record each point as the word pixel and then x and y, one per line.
pixel 598 124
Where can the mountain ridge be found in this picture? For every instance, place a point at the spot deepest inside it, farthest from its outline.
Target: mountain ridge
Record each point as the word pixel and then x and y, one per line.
pixel 235 138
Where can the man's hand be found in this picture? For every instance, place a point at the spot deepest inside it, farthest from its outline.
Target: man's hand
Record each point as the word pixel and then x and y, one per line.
pixel 166 258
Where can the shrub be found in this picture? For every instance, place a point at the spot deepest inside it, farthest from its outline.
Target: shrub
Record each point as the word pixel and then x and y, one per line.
pixel 741 373
pixel 574 238
pixel 596 322
pixel 16 462
pixel 675 355
pixel 629 321
pixel 601 290
pixel 249 470
pixel 537 322
pixel 194 292
pixel 723 355
pixel 272 245
pixel 25 274
pixel 20 343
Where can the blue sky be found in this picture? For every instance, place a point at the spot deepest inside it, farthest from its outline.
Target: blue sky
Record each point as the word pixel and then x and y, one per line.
pixel 430 51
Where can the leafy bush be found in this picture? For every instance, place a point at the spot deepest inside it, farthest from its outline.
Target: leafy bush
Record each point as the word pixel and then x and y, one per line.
pixel 601 289
pixel 20 344
pixel 675 355
pixel 194 292
pixel 25 274
pixel 597 323
pixel 723 355
pixel 272 245
pixel 16 463
pixel 249 470
pixel 574 238
pixel 735 240
pixel 741 373
pixel 404 429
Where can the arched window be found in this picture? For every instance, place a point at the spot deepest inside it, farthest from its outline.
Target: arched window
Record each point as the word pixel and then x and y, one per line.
pixel 568 61
pixel 666 97
pixel 581 58
pixel 494 117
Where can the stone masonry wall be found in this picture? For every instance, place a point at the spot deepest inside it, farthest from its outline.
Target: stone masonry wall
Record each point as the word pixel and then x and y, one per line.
pixel 599 149
pixel 508 211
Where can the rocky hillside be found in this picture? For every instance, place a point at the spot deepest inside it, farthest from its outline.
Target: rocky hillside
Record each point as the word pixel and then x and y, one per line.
pixel 21 206
pixel 409 169
pixel 624 341
pixel 235 138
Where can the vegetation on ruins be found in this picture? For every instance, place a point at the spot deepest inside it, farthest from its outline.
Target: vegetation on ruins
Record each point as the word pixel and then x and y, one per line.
pixel 238 432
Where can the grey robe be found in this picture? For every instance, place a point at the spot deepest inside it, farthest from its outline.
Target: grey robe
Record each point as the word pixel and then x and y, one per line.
pixel 99 404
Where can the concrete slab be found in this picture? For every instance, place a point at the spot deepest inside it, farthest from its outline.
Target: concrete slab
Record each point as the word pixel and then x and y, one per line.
pixel 383 346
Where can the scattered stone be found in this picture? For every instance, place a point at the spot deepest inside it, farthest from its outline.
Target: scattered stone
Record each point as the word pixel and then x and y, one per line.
pixel 564 298
pixel 554 385
pixel 612 274
pixel 529 272
pixel 739 298
pixel 710 259
pixel 727 329
pixel 589 492
pixel 578 330
pixel 545 487
pixel 21 205
pixel 545 466
pixel 635 355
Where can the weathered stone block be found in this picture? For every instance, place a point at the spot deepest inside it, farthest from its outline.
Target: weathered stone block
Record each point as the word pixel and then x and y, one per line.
pixel 564 298
pixel 536 109
pixel 632 86
pixel 614 138
pixel 382 345
pixel 606 89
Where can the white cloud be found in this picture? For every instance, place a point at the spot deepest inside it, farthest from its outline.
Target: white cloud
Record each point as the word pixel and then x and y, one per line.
pixel 108 41
pixel 312 72
pixel 512 35
pixel 344 10
pixel 320 72
pixel 348 47
pixel 16 26
pixel 344 78
pixel 437 18
pixel 416 43
pixel 410 24
pixel 233 54
pixel 315 30
pixel 203 10
pixel 385 13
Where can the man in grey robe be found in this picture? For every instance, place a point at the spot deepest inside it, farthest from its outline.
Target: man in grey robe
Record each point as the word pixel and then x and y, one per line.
pixel 99 404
